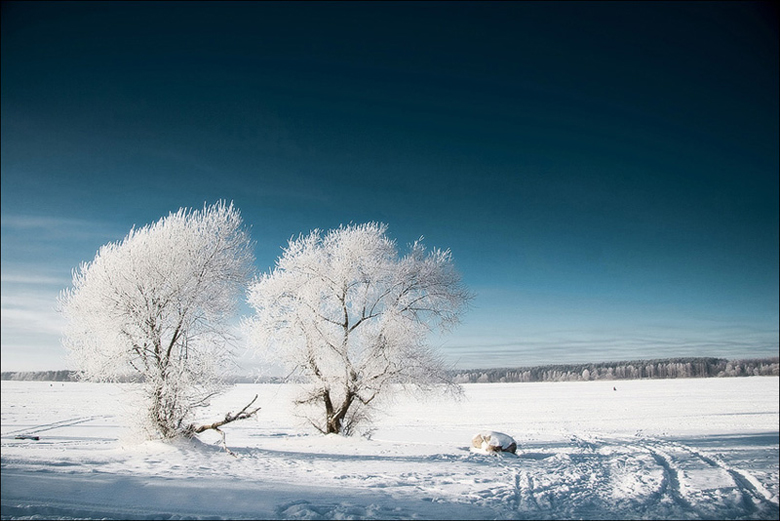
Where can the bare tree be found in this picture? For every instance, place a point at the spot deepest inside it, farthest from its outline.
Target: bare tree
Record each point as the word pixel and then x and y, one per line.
pixel 344 311
pixel 157 306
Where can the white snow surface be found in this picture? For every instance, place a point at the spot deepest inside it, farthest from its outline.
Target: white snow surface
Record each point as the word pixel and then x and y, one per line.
pixel 651 449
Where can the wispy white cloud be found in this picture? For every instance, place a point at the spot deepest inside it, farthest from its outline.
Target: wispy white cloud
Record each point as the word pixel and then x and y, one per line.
pixel 33 279
pixel 29 356
pixel 43 221
pixel 728 341
pixel 31 320
pixel 29 312
pixel 30 325
pixel 43 227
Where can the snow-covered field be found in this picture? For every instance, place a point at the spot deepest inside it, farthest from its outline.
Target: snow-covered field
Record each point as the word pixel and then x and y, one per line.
pixel 673 449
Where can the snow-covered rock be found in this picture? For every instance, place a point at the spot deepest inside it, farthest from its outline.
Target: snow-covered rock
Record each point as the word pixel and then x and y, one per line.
pixel 492 441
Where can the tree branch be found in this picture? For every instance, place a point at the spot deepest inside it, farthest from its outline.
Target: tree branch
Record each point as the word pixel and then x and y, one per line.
pixel 229 418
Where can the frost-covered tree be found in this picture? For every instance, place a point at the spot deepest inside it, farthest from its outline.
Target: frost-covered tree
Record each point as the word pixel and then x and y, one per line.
pixel 352 317
pixel 156 306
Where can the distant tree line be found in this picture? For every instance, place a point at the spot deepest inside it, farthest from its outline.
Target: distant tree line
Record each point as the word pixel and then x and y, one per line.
pixel 629 370
pixel 63 375
pixel 40 376
pixel 66 375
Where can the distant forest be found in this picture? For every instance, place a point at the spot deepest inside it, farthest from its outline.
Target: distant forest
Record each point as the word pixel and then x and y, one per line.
pixel 631 370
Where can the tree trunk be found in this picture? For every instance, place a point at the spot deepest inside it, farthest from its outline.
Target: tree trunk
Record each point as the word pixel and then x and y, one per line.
pixel 335 419
pixel 157 413
pixel 332 424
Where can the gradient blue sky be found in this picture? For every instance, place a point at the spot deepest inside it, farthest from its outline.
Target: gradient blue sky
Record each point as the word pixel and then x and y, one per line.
pixel 606 174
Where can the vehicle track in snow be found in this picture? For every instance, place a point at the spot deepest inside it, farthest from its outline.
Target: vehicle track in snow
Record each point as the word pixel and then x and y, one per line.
pixel 670 486
pixel 30 431
pixel 592 477
pixel 687 470
pixel 693 479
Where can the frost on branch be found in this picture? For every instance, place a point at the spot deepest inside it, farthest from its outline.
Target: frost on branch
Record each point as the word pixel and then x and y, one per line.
pixel 351 316
pixel 243 414
pixel 156 306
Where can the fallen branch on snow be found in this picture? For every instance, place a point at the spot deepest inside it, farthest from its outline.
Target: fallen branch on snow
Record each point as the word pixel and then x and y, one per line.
pixel 229 418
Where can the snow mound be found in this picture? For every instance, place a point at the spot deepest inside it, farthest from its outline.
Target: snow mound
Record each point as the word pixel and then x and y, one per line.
pixel 492 441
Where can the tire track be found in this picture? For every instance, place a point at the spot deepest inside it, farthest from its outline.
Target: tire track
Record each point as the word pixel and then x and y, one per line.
pixel 54 425
pixel 754 498
pixel 670 486
pixel 529 487
pixel 581 477
pixel 654 477
pixel 744 480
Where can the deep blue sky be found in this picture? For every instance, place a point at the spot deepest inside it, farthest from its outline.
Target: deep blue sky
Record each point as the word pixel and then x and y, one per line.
pixel 606 174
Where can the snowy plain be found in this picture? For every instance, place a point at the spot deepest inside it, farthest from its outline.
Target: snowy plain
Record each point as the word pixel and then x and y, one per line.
pixel 638 449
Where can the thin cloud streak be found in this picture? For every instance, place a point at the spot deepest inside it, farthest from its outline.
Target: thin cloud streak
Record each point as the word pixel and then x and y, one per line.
pixel 61 229
pixel 33 279
pixel 16 321
pixel 29 222
pixel 747 342
pixel 756 339
pixel 30 313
